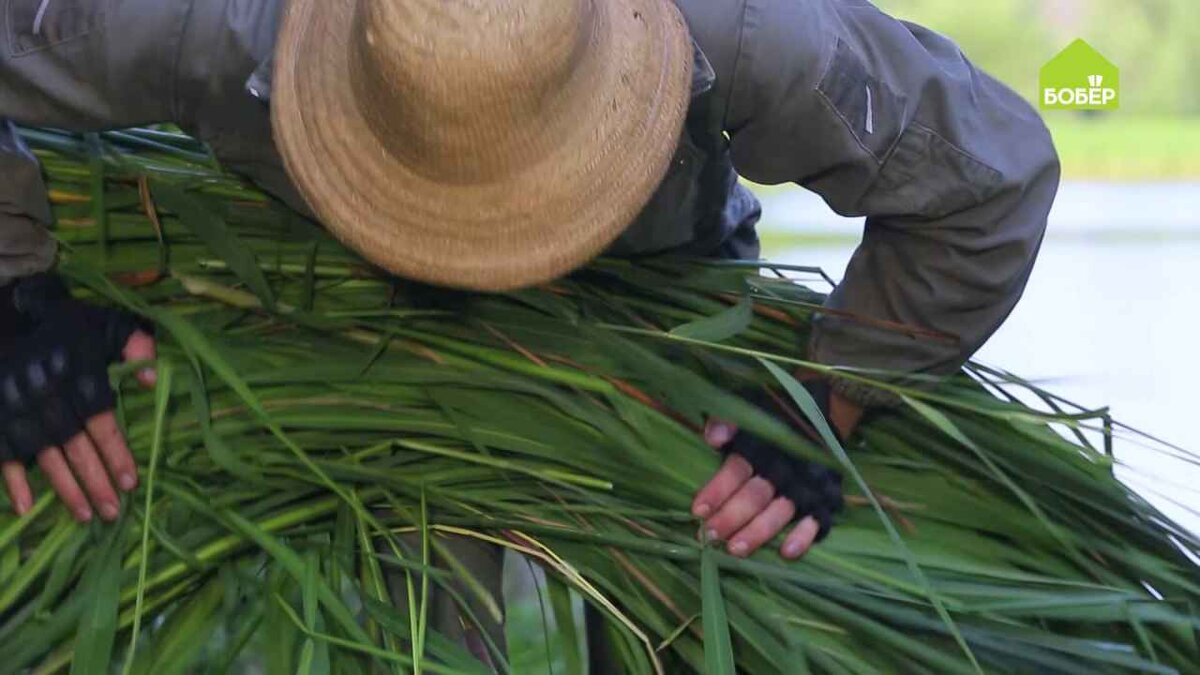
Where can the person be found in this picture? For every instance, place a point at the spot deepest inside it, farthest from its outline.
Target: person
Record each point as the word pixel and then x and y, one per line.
pixel 496 144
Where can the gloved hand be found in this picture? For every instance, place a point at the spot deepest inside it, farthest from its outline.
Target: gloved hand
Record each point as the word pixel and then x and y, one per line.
pixel 760 489
pixel 54 365
pixel 55 395
pixel 814 489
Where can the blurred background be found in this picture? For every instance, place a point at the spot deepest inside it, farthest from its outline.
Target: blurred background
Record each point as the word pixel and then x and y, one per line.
pixel 1110 316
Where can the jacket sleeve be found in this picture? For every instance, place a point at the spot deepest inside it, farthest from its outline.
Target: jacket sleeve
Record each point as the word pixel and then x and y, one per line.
pixel 955 173
pixel 26 246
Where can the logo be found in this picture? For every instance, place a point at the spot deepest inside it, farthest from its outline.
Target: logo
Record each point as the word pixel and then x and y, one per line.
pixel 1080 78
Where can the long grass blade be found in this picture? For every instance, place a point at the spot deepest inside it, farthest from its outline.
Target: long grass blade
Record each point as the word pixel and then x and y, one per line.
pixel 718 646
pixel 162 401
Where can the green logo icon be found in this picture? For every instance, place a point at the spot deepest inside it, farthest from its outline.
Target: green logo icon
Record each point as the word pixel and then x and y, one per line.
pixel 1080 78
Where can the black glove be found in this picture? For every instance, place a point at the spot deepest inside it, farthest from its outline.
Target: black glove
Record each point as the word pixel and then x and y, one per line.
pixel 54 358
pixel 816 490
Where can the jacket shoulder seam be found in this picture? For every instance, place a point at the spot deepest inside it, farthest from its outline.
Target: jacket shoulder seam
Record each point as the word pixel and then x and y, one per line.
pixel 737 65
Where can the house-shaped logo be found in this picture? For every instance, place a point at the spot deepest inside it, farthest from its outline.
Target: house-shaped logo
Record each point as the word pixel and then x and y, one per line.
pixel 1080 78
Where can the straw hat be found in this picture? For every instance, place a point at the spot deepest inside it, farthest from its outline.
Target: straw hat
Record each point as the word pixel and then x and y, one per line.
pixel 481 144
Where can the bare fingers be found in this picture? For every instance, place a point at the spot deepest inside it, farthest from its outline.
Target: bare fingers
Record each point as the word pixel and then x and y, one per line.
pixel 90 471
pixel 800 539
pixel 113 449
pixel 58 472
pixel 729 479
pixel 17 483
pixel 763 528
pixel 141 347
pixel 751 499
pixel 718 434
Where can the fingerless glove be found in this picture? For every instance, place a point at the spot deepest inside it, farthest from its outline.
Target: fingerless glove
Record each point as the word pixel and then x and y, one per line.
pixel 816 490
pixel 54 358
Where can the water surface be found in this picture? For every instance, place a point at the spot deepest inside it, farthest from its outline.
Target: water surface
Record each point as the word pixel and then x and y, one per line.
pixel 1111 315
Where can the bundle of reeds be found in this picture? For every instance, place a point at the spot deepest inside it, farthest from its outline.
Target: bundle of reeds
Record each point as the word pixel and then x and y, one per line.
pixel 309 410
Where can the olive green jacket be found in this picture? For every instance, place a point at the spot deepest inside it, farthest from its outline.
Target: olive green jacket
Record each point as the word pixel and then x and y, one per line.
pixel 955 173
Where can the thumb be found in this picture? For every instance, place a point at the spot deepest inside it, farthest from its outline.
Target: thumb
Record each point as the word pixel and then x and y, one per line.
pixel 718 433
pixel 141 347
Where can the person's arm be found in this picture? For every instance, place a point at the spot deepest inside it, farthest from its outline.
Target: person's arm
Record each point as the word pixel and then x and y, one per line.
pixel 954 171
pixel 55 403
pixel 26 247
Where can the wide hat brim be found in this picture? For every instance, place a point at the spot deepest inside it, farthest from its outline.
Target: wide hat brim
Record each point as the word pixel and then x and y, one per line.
pixel 520 229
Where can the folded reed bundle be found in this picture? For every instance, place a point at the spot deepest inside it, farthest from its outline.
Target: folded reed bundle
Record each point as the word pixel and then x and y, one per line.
pixel 310 410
